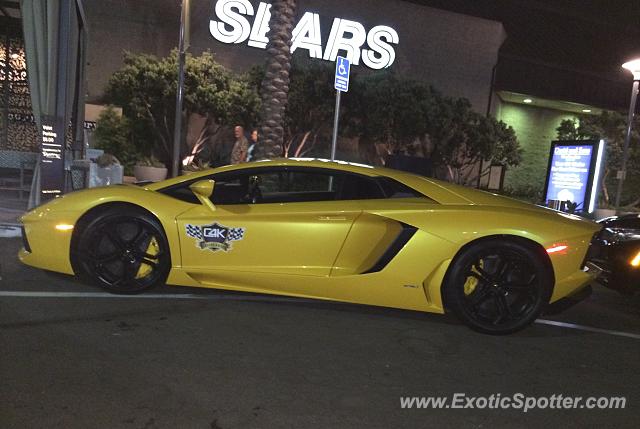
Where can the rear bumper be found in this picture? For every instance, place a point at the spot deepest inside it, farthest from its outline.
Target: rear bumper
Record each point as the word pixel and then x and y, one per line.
pixel 572 284
pixel 571 274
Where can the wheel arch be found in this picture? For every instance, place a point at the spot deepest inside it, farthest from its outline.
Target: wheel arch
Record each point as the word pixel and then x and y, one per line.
pixel 94 212
pixel 532 244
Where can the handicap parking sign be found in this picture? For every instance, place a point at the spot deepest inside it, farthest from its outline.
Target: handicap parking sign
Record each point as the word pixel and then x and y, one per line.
pixel 343 68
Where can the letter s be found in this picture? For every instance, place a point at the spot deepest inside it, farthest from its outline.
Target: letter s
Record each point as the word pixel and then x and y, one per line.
pixel 230 12
pixel 381 54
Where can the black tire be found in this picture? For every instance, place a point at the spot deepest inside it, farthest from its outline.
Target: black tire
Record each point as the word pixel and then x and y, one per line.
pixel 123 250
pixel 498 286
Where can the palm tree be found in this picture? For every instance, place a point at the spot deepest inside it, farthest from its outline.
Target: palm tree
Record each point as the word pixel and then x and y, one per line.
pixel 275 86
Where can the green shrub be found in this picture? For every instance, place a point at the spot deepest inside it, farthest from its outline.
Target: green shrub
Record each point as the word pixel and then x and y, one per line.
pixel 113 135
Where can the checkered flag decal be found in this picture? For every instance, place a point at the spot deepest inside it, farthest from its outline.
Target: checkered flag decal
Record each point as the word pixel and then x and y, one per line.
pixel 235 234
pixel 194 231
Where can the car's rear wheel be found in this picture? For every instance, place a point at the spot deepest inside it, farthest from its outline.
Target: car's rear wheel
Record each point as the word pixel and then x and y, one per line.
pixel 498 286
pixel 124 251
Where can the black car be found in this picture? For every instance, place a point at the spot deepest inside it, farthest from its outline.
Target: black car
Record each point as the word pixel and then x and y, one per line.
pixel 616 251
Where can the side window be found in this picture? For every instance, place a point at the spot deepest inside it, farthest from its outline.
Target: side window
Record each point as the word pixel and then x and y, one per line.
pixel 287 185
pixel 263 186
pixel 291 186
pixel 360 188
pixel 231 189
pixel 181 192
pixel 395 189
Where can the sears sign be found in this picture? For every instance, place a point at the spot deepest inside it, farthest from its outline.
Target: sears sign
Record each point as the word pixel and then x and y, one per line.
pixel 233 26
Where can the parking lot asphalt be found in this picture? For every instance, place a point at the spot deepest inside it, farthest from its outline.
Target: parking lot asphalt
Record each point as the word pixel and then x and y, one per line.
pixel 208 359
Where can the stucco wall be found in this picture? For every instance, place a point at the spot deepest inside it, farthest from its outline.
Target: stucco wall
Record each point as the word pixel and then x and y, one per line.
pixel 535 128
pixel 115 26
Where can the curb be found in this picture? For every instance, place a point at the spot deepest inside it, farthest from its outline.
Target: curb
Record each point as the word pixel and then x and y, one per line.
pixel 10 230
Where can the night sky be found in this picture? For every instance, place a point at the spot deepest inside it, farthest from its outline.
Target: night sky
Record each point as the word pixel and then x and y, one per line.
pixel 589 35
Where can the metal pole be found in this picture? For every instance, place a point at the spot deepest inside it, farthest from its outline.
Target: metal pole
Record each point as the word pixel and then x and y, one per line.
pixel 62 90
pixel 627 139
pixel 336 119
pixel 177 130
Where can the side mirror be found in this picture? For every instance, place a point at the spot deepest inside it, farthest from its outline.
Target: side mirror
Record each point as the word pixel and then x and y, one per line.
pixel 203 189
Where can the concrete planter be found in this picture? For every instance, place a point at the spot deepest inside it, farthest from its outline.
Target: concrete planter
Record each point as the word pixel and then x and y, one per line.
pixel 152 174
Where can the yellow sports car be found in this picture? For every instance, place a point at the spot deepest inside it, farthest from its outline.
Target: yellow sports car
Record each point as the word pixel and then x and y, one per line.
pixel 320 229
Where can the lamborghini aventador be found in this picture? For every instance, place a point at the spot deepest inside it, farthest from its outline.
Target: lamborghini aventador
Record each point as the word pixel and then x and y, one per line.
pixel 319 229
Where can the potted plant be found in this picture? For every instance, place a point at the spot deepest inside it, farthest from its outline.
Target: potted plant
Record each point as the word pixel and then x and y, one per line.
pixel 194 166
pixel 108 171
pixel 149 169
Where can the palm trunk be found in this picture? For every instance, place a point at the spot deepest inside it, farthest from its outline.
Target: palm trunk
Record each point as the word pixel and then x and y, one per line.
pixel 275 86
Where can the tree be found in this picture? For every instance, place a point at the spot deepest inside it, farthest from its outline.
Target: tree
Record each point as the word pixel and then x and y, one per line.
pixel 399 114
pixel 112 135
pixel 146 85
pixel 461 139
pixel 612 127
pixel 384 110
pixel 310 109
pixel 275 86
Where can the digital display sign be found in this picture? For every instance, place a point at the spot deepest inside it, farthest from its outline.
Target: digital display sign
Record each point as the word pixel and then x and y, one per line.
pixel 573 173
pixel 51 160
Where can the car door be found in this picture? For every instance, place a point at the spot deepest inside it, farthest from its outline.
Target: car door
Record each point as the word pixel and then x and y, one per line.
pixel 275 220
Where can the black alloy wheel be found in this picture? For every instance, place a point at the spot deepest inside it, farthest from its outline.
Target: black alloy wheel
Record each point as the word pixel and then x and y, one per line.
pixel 124 253
pixel 498 287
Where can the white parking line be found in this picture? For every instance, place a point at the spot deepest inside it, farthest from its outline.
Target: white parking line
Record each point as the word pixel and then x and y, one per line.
pixel 189 296
pixel 587 328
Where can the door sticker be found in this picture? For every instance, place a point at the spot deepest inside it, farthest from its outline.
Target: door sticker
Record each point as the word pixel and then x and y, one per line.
pixel 214 237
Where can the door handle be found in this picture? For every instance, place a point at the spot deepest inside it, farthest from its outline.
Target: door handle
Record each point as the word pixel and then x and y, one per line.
pixel 330 218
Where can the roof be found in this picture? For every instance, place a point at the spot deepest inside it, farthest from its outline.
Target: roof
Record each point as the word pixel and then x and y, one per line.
pixel 442 192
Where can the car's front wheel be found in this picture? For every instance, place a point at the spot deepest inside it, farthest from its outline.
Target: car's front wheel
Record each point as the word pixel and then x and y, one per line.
pixel 498 286
pixel 124 251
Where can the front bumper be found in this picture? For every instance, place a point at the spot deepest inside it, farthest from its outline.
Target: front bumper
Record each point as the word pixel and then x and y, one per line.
pixel 610 253
pixel 44 246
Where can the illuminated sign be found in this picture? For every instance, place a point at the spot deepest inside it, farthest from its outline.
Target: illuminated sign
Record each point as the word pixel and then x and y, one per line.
pixel 347 36
pixel 573 174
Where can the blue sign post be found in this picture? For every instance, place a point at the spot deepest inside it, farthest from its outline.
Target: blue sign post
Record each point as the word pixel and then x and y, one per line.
pixel 343 69
pixel 341 84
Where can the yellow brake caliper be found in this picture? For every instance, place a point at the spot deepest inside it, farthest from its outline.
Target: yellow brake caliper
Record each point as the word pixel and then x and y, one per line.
pixel 152 249
pixel 472 282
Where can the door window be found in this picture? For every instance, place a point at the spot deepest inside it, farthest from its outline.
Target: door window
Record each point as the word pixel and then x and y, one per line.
pixel 292 186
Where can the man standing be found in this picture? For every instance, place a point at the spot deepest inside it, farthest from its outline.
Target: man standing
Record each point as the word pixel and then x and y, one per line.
pixel 239 151
pixel 251 151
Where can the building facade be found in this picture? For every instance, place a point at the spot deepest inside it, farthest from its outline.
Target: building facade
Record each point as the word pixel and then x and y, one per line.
pixel 459 54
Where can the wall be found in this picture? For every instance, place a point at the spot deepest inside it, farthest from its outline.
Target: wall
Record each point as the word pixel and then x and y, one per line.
pixel 455 53
pixel 115 26
pixel 535 128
